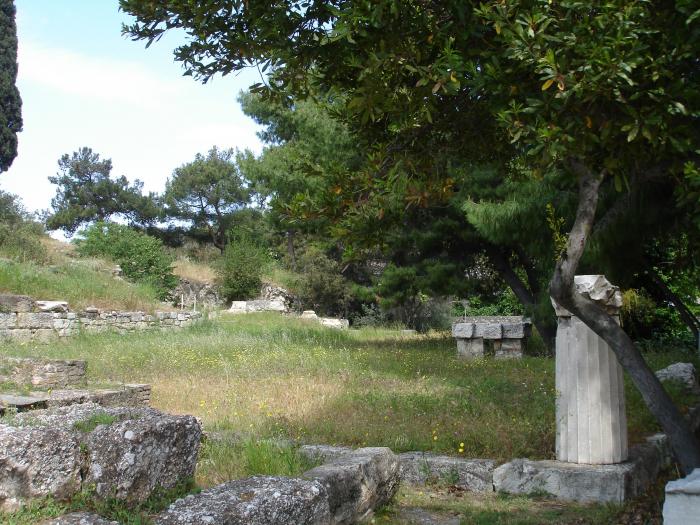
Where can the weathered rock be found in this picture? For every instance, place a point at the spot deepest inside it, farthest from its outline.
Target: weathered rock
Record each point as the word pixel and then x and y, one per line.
pixel 128 452
pixel 682 503
pixel 36 463
pixel 683 373
pixel 308 314
pixel 580 482
pixel 52 306
pixel 16 303
pixel 190 293
pixel 130 459
pixel 475 475
pixel 80 518
pixel 277 294
pixel 323 453
pixel 45 373
pixel 359 482
pixel 252 501
pixel 125 396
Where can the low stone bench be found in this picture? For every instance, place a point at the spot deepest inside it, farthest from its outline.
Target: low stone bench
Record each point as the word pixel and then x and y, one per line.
pixel 507 335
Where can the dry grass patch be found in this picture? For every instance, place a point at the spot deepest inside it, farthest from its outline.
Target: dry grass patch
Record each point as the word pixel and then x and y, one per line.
pixel 194 271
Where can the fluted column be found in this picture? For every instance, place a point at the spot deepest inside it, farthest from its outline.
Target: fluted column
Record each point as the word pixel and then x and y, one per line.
pixel 590 407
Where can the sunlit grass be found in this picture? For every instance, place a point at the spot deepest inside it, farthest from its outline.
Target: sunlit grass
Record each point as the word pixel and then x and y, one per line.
pixel 268 376
pixel 81 282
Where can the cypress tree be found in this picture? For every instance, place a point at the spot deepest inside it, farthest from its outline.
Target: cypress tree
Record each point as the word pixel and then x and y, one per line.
pixel 10 101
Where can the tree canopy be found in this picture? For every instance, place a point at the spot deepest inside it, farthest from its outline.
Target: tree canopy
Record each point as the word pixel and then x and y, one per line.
pixel 596 99
pixel 10 101
pixel 86 193
pixel 206 192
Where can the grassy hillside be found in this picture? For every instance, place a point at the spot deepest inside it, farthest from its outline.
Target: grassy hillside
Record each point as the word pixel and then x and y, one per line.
pixel 58 274
pixel 268 376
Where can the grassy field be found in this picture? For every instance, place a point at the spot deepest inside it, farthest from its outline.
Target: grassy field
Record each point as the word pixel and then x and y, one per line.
pixel 264 376
pixel 260 380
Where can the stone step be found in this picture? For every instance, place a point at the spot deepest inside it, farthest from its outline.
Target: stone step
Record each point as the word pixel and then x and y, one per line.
pixel 21 403
pixel 129 395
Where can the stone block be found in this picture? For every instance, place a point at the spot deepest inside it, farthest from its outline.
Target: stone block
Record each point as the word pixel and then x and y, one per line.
pixel 16 303
pixel 579 482
pixel 488 330
pixel 20 334
pixel 134 451
pixel 463 330
pixel 52 306
pixel 35 320
pixel 508 349
pixel 518 330
pixel 420 468
pixel 682 503
pixel 308 314
pixel 470 348
pixel 37 463
pixel 80 518
pixel 323 453
pixel 338 324
pixel 358 482
pixel 252 501
pixel 8 320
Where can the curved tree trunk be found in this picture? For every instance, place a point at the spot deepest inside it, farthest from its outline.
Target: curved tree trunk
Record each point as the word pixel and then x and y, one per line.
pixel 562 288
pixel 525 296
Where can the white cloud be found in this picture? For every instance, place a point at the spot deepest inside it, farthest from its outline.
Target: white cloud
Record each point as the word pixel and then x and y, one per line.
pixel 114 81
pixel 148 121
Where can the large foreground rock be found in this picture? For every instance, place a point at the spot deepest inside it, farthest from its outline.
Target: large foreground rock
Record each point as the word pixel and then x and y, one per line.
pixel 125 453
pixel 419 468
pixel 37 462
pixel 358 482
pixel 253 501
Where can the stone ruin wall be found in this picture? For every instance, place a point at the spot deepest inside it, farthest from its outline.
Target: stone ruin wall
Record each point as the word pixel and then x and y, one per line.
pixel 26 326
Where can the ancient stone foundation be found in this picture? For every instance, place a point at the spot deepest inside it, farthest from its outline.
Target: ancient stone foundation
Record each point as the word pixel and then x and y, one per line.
pixel 19 320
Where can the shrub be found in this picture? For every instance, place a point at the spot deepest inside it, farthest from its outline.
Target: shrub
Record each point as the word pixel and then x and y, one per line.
pixel 20 236
pixel 241 269
pixel 141 257
pixel 321 286
pixel 403 300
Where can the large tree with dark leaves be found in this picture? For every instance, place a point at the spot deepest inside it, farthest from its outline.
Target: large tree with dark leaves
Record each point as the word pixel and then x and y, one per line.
pixel 10 101
pixel 596 96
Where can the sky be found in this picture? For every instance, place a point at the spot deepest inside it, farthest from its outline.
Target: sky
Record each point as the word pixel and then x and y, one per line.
pixel 83 84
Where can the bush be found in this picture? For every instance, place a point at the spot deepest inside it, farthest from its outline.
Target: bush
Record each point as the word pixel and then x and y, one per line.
pixel 20 236
pixel 241 269
pixel 141 257
pixel 321 287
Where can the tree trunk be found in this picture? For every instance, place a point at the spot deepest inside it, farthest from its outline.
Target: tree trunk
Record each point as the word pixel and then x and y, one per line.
pixel 562 288
pixel 524 295
pixel 290 249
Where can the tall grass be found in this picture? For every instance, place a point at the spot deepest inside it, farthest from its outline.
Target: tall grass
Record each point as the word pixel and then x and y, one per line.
pixel 269 377
pixel 81 282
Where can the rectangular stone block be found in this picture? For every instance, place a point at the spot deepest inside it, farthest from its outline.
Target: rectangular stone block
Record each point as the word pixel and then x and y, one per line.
pixel 488 330
pixel 470 348
pixel 463 330
pixel 508 349
pixel 35 320
pixel 8 320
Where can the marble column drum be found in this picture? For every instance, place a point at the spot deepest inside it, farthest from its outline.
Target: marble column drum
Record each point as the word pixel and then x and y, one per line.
pixel 590 408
